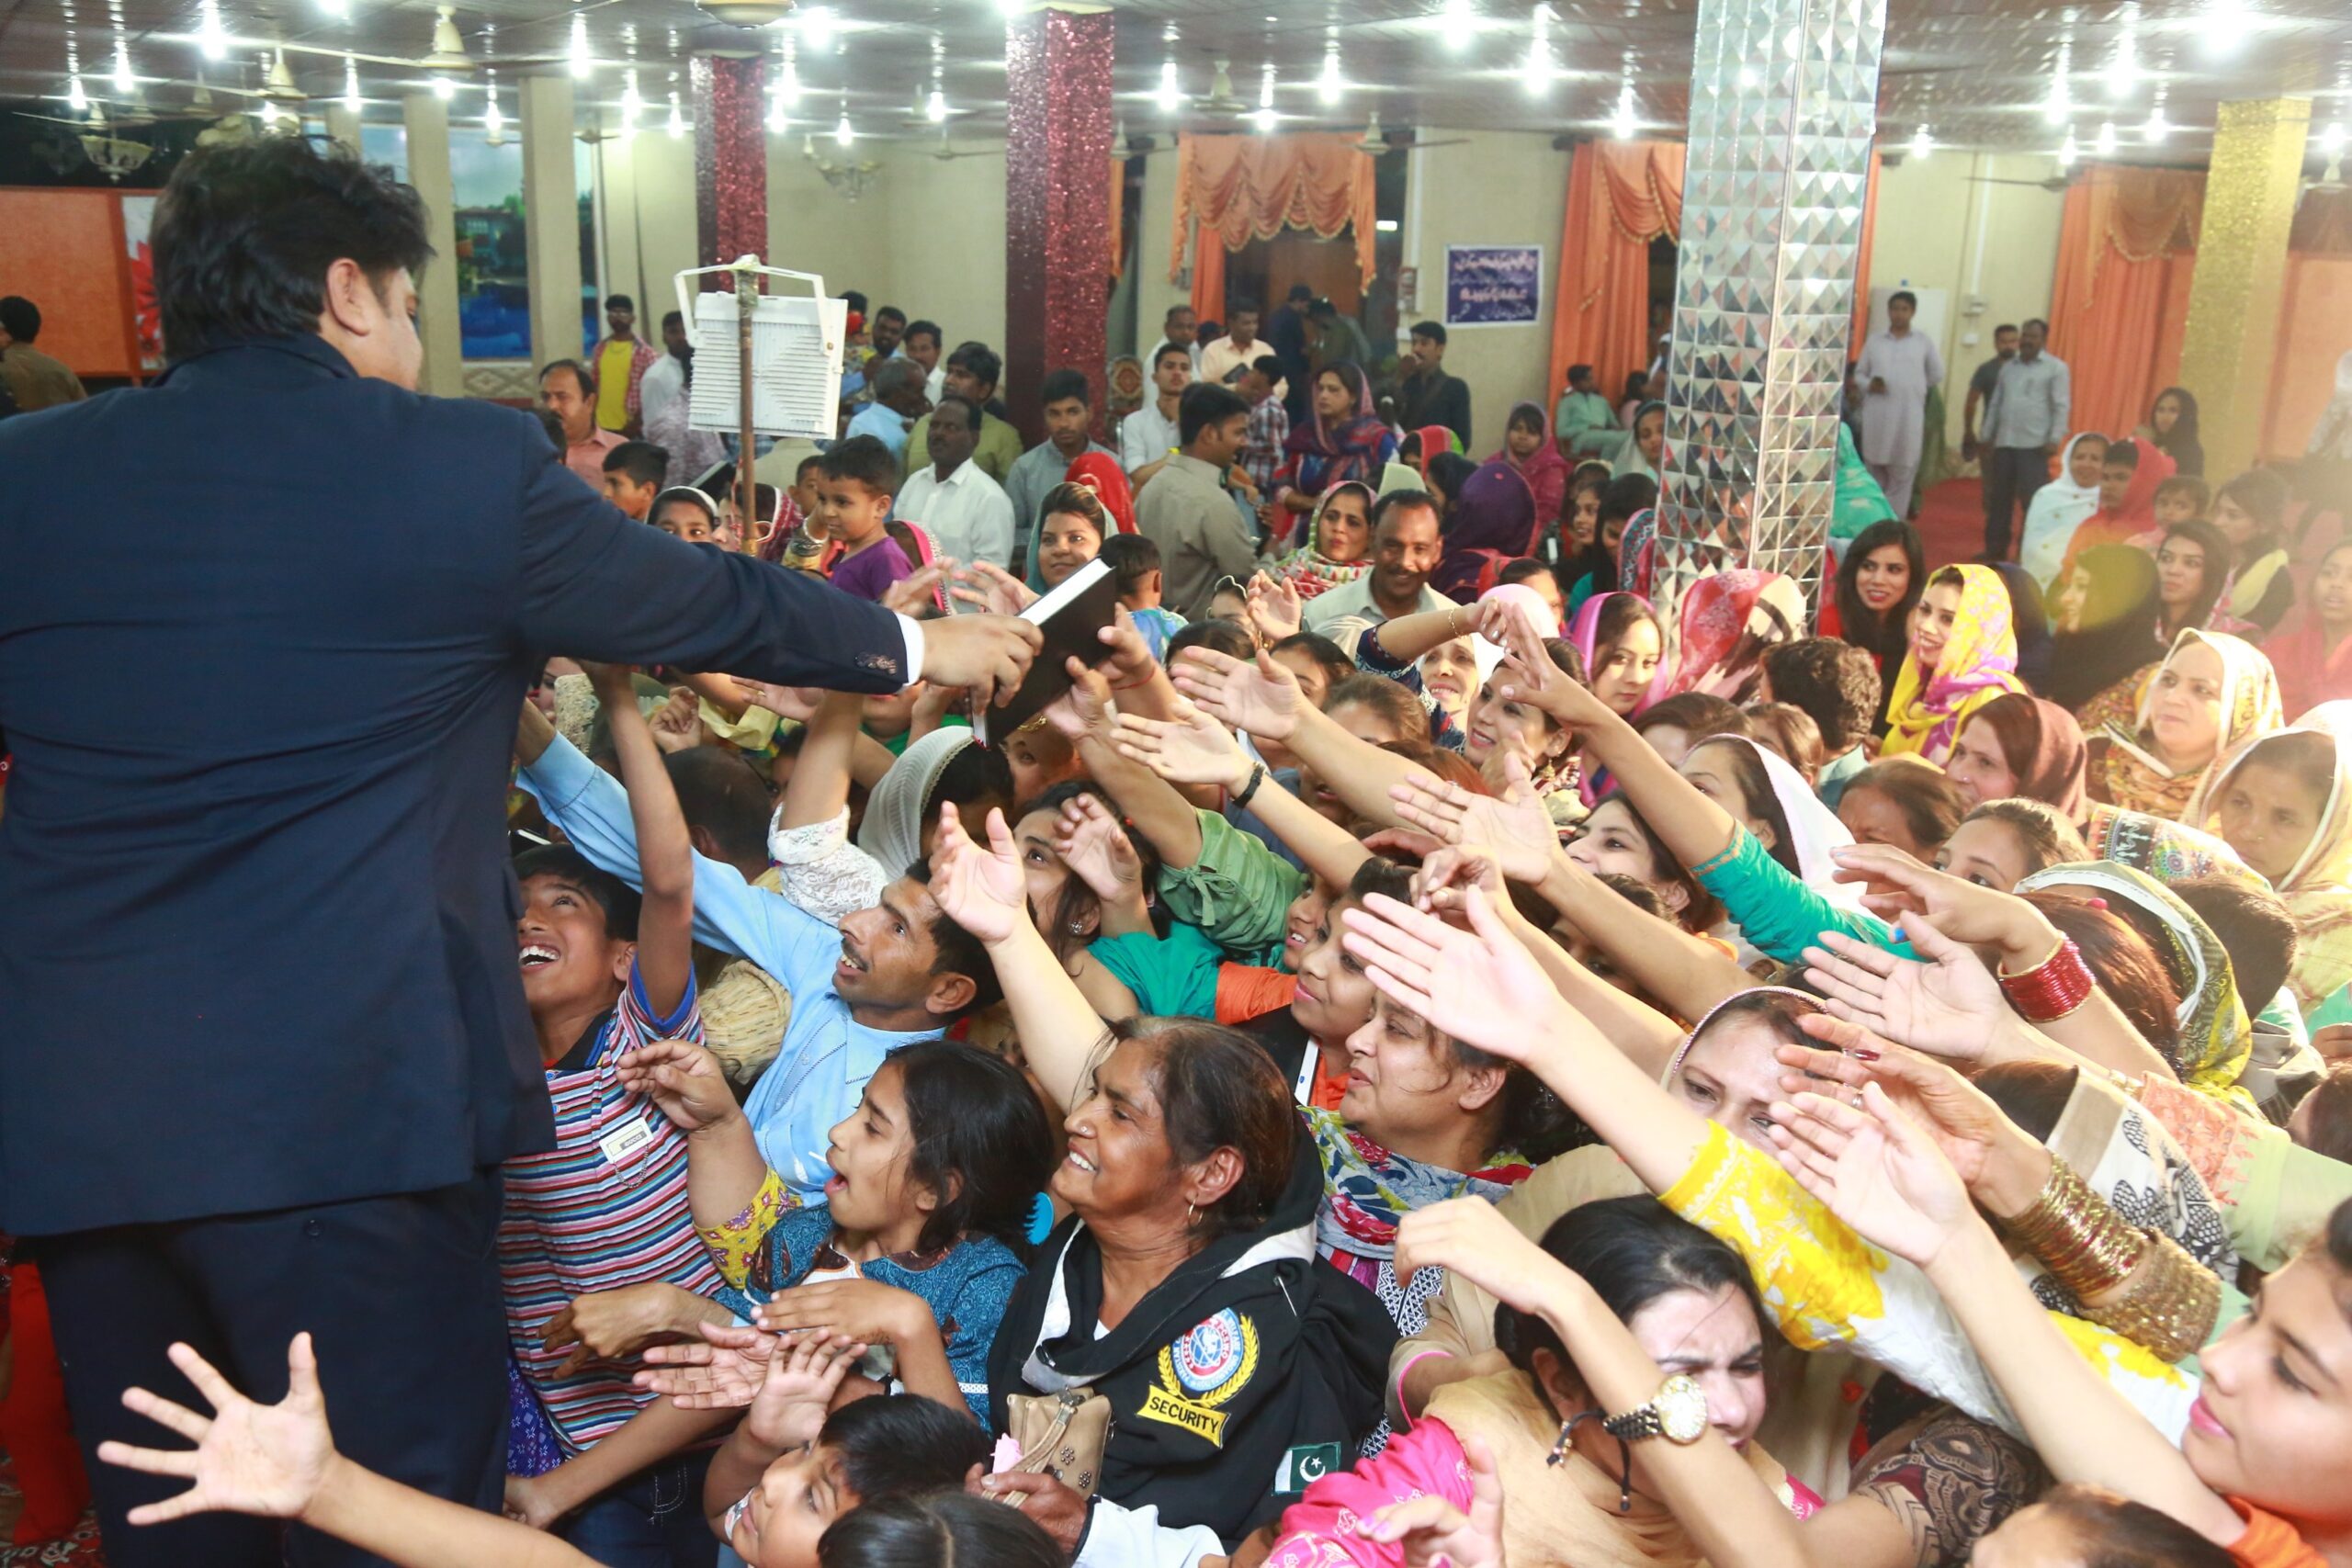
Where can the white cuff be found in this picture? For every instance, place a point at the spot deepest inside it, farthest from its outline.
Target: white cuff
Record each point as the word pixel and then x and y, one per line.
pixel 913 630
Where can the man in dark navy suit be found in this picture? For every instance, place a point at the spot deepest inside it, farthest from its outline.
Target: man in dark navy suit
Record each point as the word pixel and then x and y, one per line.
pixel 263 629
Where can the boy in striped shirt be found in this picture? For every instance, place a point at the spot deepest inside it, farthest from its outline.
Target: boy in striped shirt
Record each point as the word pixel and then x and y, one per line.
pixel 604 973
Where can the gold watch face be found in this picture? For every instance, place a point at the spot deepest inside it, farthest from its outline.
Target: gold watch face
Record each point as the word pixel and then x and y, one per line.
pixel 1681 1408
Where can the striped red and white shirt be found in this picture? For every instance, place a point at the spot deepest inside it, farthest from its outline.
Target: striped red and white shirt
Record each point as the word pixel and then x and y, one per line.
pixel 607 1207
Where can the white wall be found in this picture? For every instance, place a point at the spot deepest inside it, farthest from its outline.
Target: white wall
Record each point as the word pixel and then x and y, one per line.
pixel 1941 224
pixel 1491 189
pixel 648 217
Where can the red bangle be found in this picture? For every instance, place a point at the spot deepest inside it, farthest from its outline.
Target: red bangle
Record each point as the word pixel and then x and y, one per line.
pixel 2059 985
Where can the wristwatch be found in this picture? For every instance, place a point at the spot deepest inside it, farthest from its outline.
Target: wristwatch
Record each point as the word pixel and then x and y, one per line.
pixel 1677 1412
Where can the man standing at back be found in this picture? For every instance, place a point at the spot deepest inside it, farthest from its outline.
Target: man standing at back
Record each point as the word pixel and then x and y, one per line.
pixel 1185 510
pixel 1898 369
pixel 1980 385
pixel 2025 420
pixel 284 921
pixel 621 361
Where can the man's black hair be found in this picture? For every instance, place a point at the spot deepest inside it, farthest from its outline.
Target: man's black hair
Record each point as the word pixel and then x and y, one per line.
pixel 891 313
pixel 893 1444
pixel 1323 307
pixel 980 360
pixel 1434 330
pixel 1579 373
pixel 673 318
pixel 1396 500
pixel 1626 495
pixel 855 300
pixel 244 233
pixel 814 460
pixel 2255 927
pixel 1833 682
pixel 1204 404
pixel 581 373
pixel 642 461
pixel 719 791
pixel 1060 386
pixel 1298 291
pixel 2004 327
pixel 1906 296
pixel 620 302
pixel 1269 366
pixel 617 898
pixel 19 318
pixel 970 406
pixel 959 952
pixel 922 329
pixel 865 459
pixel 1178 309
pixel 1165 350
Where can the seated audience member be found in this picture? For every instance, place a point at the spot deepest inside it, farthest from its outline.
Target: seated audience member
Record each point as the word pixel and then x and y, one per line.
pixel 1070 416
pixel 1071 531
pixel 605 971
pixel 895 385
pixel 1343 440
pixel 1134 561
pixel 923 343
pixel 633 474
pixel 1835 684
pixel 1789 730
pixel 1262 386
pixel 568 391
pixel 793 507
pixel 2129 476
pixel 2021 746
pixel 1149 434
pixel 2192 573
pixel 849 533
pixel 2105 613
pixel 934 1176
pixel 1406 547
pixel 1583 425
pixel 2284 804
pixel 2251 511
pixel 2060 507
pixel 1903 802
pixel 775 1488
pixel 2182 499
pixel 1337 536
pixel 31 379
pixel 1672 726
pixel 2213 694
pixel 965 511
pixel 1185 511
pixel 971 371
pixel 1963 654
pixel 1539 581
pixel 2312 653
pixel 1527 447
pixel 685 513
pixel 891 973
pixel 1879 582
pixel 1598 570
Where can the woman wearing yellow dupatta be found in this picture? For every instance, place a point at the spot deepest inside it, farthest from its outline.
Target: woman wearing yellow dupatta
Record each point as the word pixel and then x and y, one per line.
pixel 1963 655
pixel 2213 694
pixel 2284 802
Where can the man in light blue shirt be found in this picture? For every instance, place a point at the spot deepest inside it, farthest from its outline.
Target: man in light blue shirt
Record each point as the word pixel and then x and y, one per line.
pixel 2025 423
pixel 898 402
pixel 1068 405
pixel 899 972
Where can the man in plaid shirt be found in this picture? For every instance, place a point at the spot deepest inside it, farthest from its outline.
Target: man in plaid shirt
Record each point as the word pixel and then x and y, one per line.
pixel 1261 451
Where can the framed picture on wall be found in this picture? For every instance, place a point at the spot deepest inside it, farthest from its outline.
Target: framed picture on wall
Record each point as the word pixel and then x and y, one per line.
pixel 1494 286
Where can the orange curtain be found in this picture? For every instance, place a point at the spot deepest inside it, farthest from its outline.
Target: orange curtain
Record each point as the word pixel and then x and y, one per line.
pixel 2302 368
pixel 1621 195
pixel 1245 187
pixel 1862 265
pixel 1208 279
pixel 2127 247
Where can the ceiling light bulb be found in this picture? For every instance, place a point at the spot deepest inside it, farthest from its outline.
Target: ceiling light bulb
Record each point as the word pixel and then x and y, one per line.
pixel 777 118
pixel 1012 7
pixel 1171 95
pixel 2060 104
pixel 582 62
pixel 677 118
pixel 816 28
pixel 210 37
pixel 124 82
pixel 2331 140
pixel 351 99
pixel 1265 120
pixel 268 114
pixel 76 97
pixel 1329 86
pixel 2225 25
pixel 1461 20
pixel 631 105
pixel 1266 88
pixel 493 120
pixel 2157 128
pixel 934 107
pixel 787 87
pixel 2124 74
pixel 1537 74
pixel 1626 121
pixel 444 89
pixel 1922 144
pixel 335 7
pixel 842 132
pixel 2105 145
pixel 2067 151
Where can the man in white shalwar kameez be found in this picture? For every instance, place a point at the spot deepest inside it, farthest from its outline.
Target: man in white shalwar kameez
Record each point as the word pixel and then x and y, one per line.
pixel 1897 367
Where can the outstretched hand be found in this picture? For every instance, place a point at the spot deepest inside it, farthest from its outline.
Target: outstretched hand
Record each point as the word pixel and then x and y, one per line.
pixel 1275 609
pixel 1946 1006
pixel 980 889
pixel 1469 1236
pixel 1527 674
pixel 1262 697
pixel 1876 1169
pixel 1513 826
pixel 681 1079
pixel 1095 847
pixel 991 588
pixel 1433 1533
pixel 269 1460
pixel 1190 749
pixel 1479 986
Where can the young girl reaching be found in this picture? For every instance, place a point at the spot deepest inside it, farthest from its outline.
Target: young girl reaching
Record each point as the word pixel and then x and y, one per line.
pixel 934 1177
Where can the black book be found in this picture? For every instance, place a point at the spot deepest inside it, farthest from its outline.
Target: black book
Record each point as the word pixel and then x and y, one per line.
pixel 1071 617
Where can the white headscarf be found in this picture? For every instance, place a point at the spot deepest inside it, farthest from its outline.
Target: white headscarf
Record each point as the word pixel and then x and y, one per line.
pixel 2059 508
pixel 892 830
pixel 1813 830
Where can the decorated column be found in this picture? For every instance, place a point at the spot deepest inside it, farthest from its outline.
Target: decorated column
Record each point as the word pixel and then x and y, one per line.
pixel 2233 327
pixel 1783 107
pixel 551 220
pixel 1057 201
pixel 731 164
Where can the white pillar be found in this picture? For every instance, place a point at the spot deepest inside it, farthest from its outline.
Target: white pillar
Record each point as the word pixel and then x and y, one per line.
pixel 551 217
pixel 428 118
pixel 343 125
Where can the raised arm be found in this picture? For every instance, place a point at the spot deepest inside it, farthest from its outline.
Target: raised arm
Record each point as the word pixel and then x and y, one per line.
pixel 983 891
pixel 1192 748
pixel 1264 699
pixel 665 857
pixel 821 775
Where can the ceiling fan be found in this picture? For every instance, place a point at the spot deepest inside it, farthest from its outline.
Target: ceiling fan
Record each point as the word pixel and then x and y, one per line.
pixel 1377 143
pixel 946 154
pixel 1223 102
pixel 2054 183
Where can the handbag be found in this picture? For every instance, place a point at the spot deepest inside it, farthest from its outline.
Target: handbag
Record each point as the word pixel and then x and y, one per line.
pixel 1062 1434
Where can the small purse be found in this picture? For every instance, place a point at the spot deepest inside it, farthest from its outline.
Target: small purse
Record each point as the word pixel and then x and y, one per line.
pixel 1062 1435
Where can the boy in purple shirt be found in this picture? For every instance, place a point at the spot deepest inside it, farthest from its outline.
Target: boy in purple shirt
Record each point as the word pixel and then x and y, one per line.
pixel 856 482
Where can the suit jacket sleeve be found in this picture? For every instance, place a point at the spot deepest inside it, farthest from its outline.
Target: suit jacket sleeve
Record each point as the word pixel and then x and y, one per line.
pixel 599 586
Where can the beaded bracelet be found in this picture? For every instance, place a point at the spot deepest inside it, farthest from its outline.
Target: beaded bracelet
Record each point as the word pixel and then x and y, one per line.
pixel 2082 1241
pixel 2052 989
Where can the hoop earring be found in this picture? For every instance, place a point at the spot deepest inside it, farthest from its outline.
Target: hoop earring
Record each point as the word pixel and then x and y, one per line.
pixel 1192 1216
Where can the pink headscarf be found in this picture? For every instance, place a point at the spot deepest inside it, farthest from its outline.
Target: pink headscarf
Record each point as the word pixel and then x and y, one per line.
pixel 1716 613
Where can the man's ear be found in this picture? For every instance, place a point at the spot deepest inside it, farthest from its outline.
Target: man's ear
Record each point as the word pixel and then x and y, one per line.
pixel 950 994
pixel 351 299
pixel 624 960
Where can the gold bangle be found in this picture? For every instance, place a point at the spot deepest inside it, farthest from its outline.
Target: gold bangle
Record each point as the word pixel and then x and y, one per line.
pixel 2168 1305
pixel 2080 1238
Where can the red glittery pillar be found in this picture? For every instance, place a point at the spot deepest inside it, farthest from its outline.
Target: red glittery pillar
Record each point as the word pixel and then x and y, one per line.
pixel 731 160
pixel 1056 204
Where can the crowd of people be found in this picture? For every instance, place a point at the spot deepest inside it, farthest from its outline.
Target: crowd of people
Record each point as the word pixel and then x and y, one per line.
pixel 1430 1050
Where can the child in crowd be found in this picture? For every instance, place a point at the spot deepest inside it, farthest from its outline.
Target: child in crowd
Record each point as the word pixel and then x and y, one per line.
pixel 776 1487
pixel 933 1180
pixel 605 971
pixel 2182 499
pixel 1135 563
pixel 856 482
pixel 685 513
pixel 633 473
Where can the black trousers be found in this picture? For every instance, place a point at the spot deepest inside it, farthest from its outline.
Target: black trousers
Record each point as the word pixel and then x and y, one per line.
pixel 401 1295
pixel 2012 475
